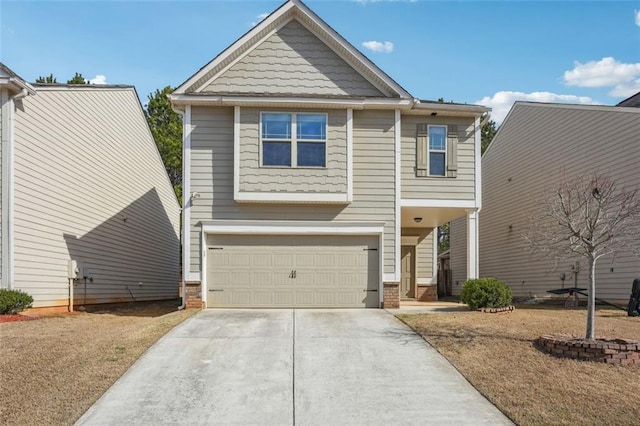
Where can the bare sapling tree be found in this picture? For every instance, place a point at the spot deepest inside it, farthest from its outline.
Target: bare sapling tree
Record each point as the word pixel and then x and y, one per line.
pixel 588 216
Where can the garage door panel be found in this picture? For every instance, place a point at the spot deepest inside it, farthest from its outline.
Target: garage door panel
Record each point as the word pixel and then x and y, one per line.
pixel 283 260
pixel 293 271
pixel 262 259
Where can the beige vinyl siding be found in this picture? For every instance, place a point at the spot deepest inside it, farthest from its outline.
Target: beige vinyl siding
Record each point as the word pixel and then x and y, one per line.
pixel 293 61
pixel 424 257
pixel 458 253
pixel 535 149
pixel 332 179
pixel 91 186
pixel 461 187
pixel 212 178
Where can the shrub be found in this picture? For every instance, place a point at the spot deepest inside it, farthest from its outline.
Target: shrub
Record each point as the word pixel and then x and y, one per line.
pixel 486 293
pixel 14 301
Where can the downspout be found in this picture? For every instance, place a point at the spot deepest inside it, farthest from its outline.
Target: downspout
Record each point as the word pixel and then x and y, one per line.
pixel 486 119
pixel 23 93
pixel 183 281
pixel 11 185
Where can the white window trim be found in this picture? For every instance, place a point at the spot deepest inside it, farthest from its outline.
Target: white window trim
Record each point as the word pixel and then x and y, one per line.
pixel 294 140
pixel 446 135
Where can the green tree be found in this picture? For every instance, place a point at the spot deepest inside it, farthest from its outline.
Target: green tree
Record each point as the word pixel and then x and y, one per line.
pixel 166 127
pixel 444 237
pixel 50 79
pixel 77 79
pixel 487 133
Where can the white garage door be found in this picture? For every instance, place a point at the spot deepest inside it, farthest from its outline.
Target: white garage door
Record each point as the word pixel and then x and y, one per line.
pixel 292 271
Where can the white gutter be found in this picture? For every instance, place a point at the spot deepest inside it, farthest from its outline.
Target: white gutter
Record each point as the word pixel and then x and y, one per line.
pixel 9 176
pixel 183 281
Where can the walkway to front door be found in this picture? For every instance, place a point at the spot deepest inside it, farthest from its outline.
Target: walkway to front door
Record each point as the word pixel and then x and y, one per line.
pixel 286 367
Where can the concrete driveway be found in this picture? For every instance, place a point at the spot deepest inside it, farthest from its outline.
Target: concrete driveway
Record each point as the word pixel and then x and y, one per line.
pixel 284 367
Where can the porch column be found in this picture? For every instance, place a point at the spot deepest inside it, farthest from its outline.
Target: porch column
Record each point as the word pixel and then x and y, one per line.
pixel 472 244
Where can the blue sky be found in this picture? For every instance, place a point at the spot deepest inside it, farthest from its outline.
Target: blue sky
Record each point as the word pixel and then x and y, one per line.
pixel 465 51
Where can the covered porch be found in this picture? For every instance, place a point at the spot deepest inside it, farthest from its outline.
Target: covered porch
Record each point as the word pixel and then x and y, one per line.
pixel 419 249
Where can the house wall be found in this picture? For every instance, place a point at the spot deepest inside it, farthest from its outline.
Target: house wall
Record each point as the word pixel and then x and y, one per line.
pixel 293 61
pixel 212 177
pixel 332 179
pixel 461 187
pixel 424 258
pixel 536 148
pixel 90 185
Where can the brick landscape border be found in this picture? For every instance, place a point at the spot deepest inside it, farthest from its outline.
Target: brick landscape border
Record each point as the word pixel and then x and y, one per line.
pixel 502 310
pixel 609 351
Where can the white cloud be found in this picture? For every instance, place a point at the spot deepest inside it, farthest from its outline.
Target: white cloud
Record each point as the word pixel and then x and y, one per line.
pixel 636 13
pixel 259 19
pixel 98 79
pixel 606 72
pixel 501 102
pixel 379 46
pixel 626 89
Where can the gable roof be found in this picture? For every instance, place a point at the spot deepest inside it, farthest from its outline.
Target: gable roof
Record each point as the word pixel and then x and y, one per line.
pixel 521 114
pixel 287 12
pixel 631 101
pixel 14 81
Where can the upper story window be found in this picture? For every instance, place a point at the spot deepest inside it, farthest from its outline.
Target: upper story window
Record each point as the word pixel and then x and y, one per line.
pixel 293 140
pixel 437 150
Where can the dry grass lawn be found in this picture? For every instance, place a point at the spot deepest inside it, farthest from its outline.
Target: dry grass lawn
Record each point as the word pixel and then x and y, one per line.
pixel 495 353
pixel 53 369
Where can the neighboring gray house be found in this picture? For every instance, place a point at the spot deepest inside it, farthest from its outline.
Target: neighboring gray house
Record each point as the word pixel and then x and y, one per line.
pixel 631 101
pixel 536 147
pixel 82 180
pixel 312 179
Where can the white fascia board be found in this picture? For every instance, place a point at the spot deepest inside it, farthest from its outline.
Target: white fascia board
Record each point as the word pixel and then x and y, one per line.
pixel 478 163
pixel 291 228
pixel 290 101
pixel 463 204
pixel 349 155
pixel 398 190
pixel 444 107
pixel 262 25
pixel 290 197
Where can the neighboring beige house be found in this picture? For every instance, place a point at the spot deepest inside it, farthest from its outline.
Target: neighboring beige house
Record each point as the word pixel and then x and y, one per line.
pixel 82 180
pixel 536 147
pixel 312 179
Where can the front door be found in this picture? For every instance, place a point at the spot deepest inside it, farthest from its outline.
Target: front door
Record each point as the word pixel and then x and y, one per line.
pixel 408 271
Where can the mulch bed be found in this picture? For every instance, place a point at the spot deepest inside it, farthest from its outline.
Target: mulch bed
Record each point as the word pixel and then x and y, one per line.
pixel 17 317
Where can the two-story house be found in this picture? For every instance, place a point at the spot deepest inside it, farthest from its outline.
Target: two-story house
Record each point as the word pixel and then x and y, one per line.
pixel 312 178
pixel 89 215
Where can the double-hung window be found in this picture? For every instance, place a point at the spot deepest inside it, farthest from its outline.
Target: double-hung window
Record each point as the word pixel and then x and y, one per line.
pixel 437 150
pixel 293 140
